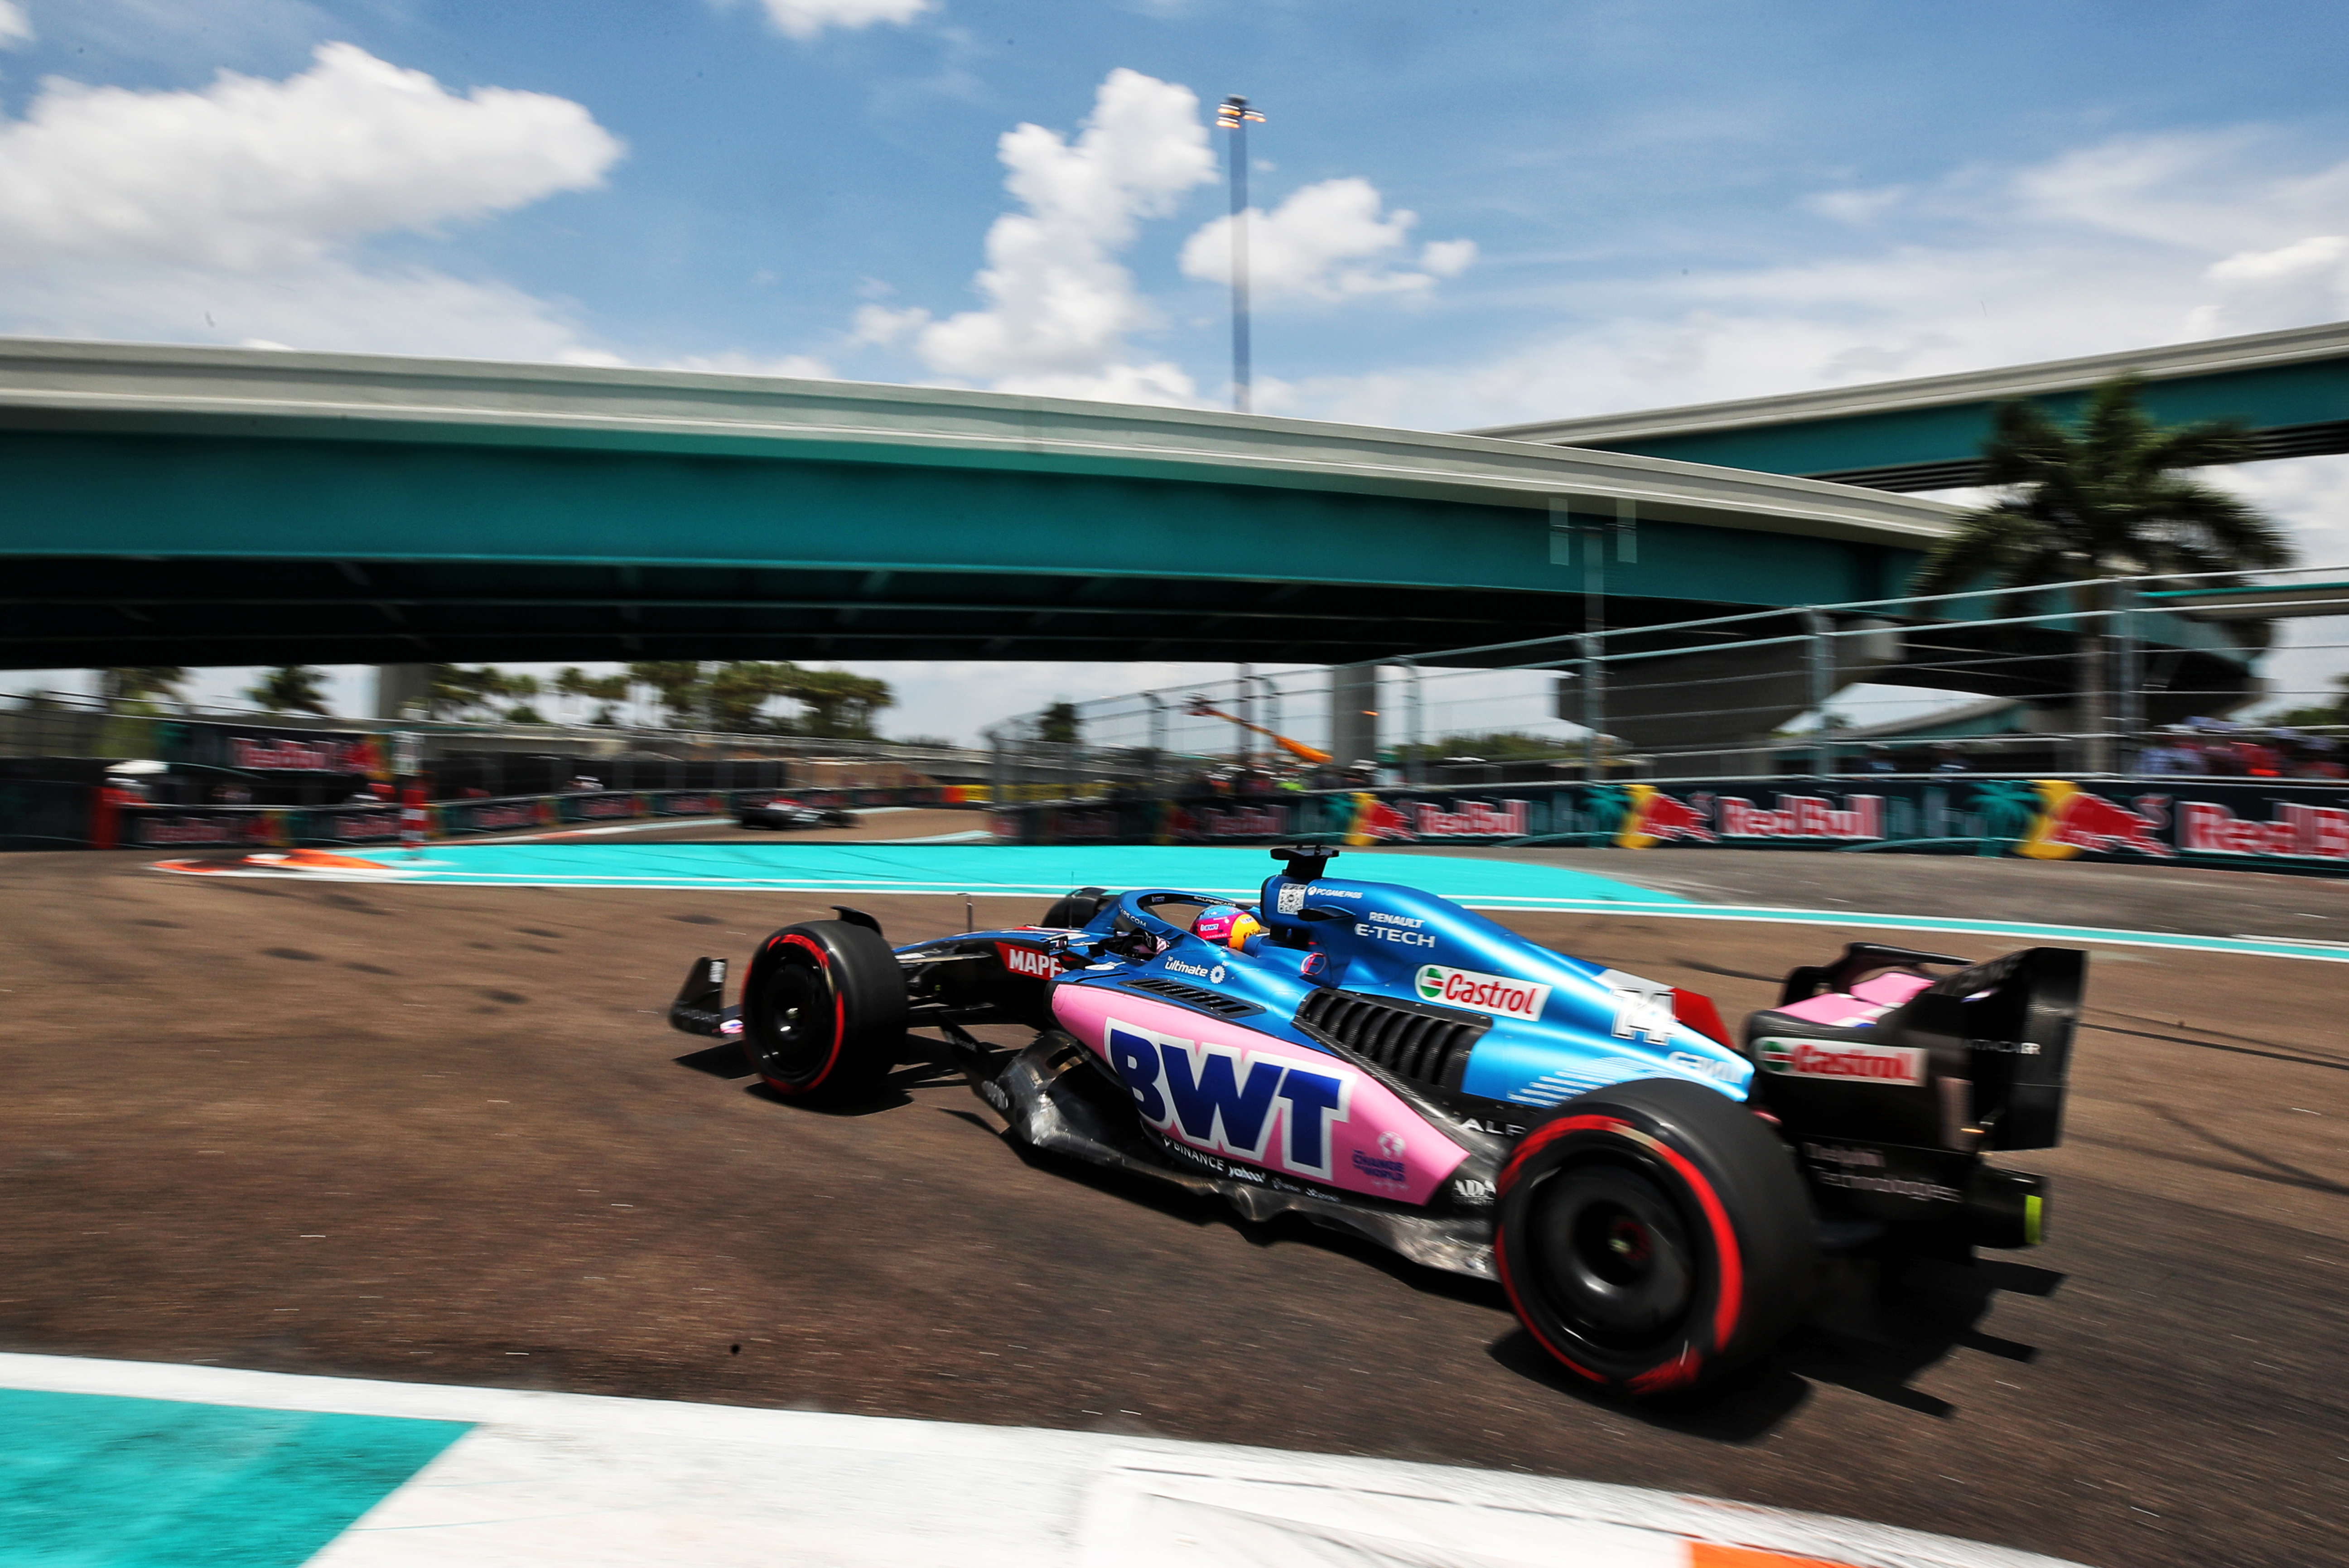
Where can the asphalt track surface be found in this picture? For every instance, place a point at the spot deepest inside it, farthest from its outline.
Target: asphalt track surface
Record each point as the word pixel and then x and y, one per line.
pixel 443 1134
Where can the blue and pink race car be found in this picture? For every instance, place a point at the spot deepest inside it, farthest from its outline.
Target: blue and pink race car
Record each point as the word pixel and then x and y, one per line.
pixel 1652 1192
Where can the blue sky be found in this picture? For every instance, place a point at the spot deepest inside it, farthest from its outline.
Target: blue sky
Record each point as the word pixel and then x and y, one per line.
pixel 1473 215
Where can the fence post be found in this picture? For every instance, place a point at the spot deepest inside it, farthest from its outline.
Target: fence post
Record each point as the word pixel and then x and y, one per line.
pixel 2129 697
pixel 1271 717
pixel 1415 762
pixel 1594 706
pixel 1821 661
pixel 2092 707
pixel 1244 692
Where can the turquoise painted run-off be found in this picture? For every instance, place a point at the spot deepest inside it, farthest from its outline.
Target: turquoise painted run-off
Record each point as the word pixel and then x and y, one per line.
pixel 1047 871
pixel 1040 870
pixel 89 1480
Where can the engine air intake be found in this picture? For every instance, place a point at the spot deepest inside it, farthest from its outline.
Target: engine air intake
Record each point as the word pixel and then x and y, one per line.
pixel 1409 1039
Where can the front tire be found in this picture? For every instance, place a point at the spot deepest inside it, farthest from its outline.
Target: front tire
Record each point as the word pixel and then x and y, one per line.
pixel 823 1012
pixel 1653 1236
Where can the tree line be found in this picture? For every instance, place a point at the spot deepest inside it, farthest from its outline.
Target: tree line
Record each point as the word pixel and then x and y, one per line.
pixel 736 697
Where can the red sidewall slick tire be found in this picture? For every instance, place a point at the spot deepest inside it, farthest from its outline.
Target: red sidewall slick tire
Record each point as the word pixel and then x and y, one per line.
pixel 823 1012
pixel 1653 1236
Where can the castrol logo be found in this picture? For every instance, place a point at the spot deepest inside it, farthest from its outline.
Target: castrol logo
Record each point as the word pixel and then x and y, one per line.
pixel 1500 993
pixel 1028 961
pixel 1842 1059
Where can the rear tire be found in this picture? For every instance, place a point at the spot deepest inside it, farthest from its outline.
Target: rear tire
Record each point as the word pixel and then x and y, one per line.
pixel 823 1012
pixel 1653 1236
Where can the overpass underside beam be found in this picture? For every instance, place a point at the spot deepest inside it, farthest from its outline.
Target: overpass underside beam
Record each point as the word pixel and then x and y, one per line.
pixel 2320 439
pixel 96 611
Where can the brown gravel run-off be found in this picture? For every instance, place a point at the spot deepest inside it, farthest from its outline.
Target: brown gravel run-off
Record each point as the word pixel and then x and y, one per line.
pixel 443 1134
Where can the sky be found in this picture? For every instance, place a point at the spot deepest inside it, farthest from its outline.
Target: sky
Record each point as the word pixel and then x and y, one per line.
pixel 1463 214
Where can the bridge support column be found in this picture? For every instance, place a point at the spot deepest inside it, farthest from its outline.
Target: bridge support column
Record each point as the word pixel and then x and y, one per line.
pixel 398 685
pixel 1353 714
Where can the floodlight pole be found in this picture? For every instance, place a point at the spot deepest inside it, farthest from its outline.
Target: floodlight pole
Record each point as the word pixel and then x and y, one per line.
pixel 1233 115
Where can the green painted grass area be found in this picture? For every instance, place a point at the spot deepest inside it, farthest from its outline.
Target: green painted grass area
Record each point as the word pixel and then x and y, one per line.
pixel 90 1481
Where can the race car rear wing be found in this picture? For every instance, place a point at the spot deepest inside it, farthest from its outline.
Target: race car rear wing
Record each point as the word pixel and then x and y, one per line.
pixel 1975 1060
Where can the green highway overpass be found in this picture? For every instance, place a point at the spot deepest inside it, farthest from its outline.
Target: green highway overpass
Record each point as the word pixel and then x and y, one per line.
pixel 2291 388
pixel 178 505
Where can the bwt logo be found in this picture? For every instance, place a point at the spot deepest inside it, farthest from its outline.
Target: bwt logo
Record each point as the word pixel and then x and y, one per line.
pixel 1028 961
pixel 1255 1107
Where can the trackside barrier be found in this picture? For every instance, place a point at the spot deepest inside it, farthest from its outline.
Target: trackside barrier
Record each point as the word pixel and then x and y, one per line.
pixel 40 816
pixel 2243 824
pixel 43 814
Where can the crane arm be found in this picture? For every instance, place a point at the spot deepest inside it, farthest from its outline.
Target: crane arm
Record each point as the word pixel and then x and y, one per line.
pixel 1311 755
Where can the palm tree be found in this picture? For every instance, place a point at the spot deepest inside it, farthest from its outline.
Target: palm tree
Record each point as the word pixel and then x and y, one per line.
pixel 290 689
pixel 457 693
pixel 839 704
pixel 602 689
pixel 134 689
pixel 2103 498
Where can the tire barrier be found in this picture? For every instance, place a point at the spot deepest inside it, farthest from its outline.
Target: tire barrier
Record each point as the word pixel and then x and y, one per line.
pixel 2265 825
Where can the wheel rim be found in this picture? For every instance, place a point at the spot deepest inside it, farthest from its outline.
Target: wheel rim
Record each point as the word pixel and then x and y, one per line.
pixel 1612 1256
pixel 792 1034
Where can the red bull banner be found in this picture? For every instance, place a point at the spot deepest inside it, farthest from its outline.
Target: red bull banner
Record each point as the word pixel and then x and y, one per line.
pixel 2268 825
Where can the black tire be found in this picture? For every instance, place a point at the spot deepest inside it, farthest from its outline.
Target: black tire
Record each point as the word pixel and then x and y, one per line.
pixel 1076 909
pixel 1653 1236
pixel 823 1012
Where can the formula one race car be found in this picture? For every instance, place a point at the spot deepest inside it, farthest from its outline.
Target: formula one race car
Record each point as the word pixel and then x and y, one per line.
pixel 1653 1196
pixel 782 812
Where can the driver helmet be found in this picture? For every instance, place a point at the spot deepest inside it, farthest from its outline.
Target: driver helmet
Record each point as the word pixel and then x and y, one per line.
pixel 1227 925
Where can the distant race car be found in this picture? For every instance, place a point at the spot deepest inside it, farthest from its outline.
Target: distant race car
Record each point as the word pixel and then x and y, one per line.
pixel 1653 1196
pixel 784 811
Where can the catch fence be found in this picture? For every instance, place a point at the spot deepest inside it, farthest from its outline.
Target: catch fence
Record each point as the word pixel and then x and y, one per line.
pixel 2082 720
pixel 2116 676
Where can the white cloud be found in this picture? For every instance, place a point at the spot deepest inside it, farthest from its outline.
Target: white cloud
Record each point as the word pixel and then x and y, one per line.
pixel 803 19
pixel 2318 254
pixel 1329 241
pixel 1059 305
pixel 878 325
pixel 15 27
pixel 238 213
pixel 2307 280
pixel 249 173
pixel 1854 207
pixel 1448 258
pixel 790 367
pixel 329 303
pixel 1161 383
